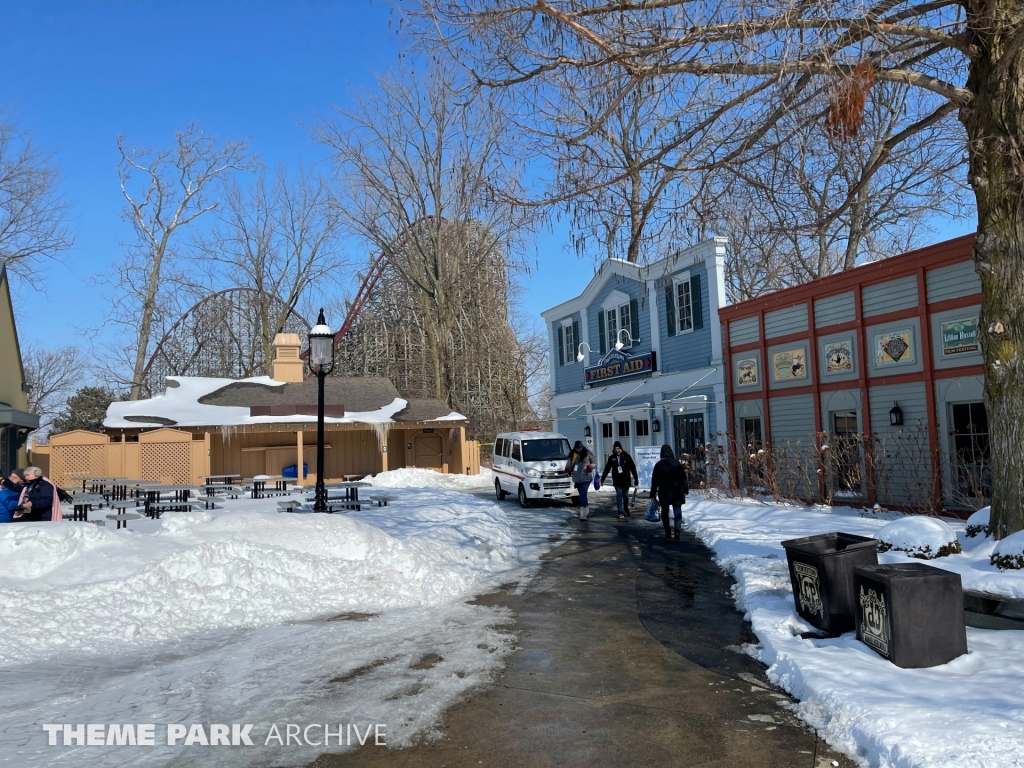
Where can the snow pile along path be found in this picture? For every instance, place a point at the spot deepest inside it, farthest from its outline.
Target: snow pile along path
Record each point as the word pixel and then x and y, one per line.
pixel 248 615
pixel 968 713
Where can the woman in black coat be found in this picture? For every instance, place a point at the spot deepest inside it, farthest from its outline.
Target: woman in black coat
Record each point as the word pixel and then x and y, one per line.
pixel 669 486
pixel 623 470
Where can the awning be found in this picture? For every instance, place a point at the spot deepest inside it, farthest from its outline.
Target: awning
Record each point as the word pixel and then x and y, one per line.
pixel 12 417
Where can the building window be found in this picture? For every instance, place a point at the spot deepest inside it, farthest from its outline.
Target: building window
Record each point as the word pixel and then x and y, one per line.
pixel 643 428
pixel 844 455
pixel 623 429
pixel 972 464
pixel 570 344
pixel 606 429
pixel 684 307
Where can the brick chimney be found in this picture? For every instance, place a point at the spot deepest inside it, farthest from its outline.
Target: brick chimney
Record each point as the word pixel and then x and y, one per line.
pixel 287 366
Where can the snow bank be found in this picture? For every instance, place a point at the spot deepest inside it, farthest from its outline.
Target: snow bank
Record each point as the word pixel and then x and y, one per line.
pixel 249 615
pixel 426 478
pixel 978 525
pixel 922 537
pixel 1009 553
pixel 77 587
pixel 964 714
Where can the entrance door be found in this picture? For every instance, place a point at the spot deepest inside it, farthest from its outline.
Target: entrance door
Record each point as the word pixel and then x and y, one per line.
pixel 972 463
pixel 427 451
pixel 845 448
pixel 690 444
pixel 752 443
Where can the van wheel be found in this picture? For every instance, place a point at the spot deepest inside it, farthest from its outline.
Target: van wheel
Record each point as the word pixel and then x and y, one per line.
pixel 498 493
pixel 524 502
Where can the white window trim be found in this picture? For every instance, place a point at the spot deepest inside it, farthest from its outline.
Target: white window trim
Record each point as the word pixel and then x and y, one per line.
pixel 617 300
pixel 677 280
pixel 614 300
pixel 570 354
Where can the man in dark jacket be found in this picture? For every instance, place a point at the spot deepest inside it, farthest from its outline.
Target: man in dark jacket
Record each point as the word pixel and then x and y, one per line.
pixel 669 486
pixel 623 469
pixel 37 498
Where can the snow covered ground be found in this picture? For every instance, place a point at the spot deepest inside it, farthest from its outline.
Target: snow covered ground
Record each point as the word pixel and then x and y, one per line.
pixel 247 615
pixel 968 713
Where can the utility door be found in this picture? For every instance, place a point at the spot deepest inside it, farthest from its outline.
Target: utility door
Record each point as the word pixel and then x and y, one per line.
pixel 427 452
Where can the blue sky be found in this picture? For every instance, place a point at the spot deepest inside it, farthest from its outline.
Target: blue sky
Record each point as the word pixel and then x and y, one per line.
pixel 80 73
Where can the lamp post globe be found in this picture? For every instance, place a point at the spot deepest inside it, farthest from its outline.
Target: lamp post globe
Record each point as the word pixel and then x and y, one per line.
pixel 321 362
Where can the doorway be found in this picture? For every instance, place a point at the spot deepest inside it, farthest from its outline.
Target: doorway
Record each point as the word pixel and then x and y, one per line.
pixel 752 443
pixel 972 464
pixel 845 454
pixel 427 452
pixel 689 431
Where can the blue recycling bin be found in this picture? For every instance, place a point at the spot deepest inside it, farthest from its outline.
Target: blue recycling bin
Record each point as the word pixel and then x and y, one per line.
pixel 292 472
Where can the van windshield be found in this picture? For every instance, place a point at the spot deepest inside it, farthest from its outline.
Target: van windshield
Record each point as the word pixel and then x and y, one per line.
pixel 552 449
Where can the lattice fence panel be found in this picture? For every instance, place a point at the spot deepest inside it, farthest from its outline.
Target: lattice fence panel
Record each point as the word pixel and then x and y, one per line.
pixel 66 461
pixel 167 462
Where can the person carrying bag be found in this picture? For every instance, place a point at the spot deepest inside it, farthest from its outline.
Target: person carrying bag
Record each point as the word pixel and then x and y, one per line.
pixel 669 485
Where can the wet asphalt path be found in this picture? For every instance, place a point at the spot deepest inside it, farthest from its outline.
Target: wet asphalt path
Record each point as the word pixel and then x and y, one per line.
pixel 630 655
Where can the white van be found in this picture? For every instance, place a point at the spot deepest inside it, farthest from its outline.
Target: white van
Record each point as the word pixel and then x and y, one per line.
pixel 531 465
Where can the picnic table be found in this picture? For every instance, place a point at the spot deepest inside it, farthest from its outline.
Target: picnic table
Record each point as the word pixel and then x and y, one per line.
pixel 259 486
pixel 123 518
pixel 82 504
pixel 118 486
pixel 382 501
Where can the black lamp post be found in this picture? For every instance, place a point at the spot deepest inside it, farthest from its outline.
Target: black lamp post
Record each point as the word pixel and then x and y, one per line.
pixel 321 360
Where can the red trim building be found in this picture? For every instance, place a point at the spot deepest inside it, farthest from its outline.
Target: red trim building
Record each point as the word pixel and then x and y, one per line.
pixel 836 361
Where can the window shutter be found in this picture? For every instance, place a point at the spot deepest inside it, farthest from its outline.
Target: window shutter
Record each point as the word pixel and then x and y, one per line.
pixel 634 320
pixel 575 339
pixel 600 331
pixel 696 303
pixel 670 310
pixel 561 345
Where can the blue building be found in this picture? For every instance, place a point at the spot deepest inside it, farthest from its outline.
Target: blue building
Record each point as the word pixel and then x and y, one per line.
pixel 637 357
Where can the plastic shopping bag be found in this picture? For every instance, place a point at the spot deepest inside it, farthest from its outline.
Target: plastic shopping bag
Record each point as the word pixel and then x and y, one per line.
pixel 653 513
pixel 597 482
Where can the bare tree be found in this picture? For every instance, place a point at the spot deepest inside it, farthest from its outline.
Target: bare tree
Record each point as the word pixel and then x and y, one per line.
pixel 279 237
pixel 425 179
pixel 964 57
pixel 33 215
pixel 52 375
pixel 164 190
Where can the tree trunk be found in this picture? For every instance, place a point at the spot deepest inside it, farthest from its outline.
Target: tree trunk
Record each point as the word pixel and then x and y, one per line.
pixel 856 233
pixel 995 128
pixel 146 323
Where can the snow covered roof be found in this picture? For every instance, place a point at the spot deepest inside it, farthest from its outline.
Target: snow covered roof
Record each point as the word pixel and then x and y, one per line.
pixel 195 401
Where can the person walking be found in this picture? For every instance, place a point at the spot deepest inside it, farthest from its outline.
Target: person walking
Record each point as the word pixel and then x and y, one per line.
pixel 623 469
pixel 581 467
pixel 10 493
pixel 39 499
pixel 669 486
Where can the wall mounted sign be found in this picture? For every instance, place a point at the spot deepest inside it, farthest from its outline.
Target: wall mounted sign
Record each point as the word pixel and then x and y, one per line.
pixel 960 337
pixel 746 372
pixel 790 364
pixel 894 347
pixel 617 364
pixel 838 356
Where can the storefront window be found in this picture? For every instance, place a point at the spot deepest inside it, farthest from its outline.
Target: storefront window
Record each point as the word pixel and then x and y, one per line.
pixel 972 468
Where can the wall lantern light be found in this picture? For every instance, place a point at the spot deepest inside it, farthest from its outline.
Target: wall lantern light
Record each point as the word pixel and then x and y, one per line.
pixel 586 431
pixel 896 415
pixel 656 426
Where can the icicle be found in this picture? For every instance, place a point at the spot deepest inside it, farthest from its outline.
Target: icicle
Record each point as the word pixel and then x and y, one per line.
pixel 381 428
pixel 227 431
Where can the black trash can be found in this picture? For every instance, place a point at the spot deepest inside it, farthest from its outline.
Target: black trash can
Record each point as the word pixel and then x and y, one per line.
pixel 821 569
pixel 911 613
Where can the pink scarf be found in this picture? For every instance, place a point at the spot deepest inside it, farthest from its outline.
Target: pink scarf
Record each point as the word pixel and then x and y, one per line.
pixel 55 513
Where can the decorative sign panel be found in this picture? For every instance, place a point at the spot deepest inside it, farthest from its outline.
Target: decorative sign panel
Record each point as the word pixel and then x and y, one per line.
pixel 617 364
pixel 894 347
pixel 838 356
pixel 960 337
pixel 789 364
pixel 746 372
